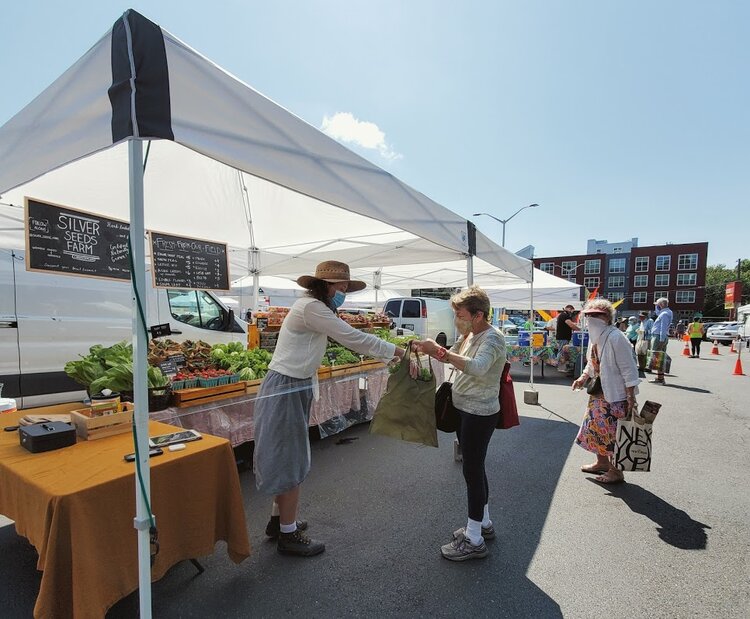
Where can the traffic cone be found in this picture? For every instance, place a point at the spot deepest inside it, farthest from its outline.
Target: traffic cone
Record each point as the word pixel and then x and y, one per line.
pixel 715 349
pixel 738 368
pixel 686 350
pixel 731 348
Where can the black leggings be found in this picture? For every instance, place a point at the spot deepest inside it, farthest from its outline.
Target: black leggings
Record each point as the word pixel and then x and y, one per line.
pixel 474 434
pixel 695 342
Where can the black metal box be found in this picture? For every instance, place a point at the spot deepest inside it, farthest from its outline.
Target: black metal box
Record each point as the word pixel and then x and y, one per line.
pixel 47 436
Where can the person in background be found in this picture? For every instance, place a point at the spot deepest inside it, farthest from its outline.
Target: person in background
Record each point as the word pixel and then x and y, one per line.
pixel 695 332
pixel 679 330
pixel 631 332
pixel 660 335
pixel 479 358
pixel 644 338
pixel 565 325
pixel 282 408
pixel 610 357
pixel 622 324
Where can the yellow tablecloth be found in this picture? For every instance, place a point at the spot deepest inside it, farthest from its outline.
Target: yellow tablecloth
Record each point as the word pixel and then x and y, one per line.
pixel 76 506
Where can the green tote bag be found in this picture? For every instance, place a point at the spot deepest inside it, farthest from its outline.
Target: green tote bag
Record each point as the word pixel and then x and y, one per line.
pixel 407 409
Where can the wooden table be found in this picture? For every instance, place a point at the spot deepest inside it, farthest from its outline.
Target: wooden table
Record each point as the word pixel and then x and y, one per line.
pixel 76 506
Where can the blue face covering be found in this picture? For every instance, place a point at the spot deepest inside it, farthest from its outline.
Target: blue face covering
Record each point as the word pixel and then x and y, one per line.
pixel 338 299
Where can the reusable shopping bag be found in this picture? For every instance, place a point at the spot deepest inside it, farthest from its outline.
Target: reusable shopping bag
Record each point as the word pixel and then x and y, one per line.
pixel 633 445
pixel 407 410
pixel 659 360
pixel 508 417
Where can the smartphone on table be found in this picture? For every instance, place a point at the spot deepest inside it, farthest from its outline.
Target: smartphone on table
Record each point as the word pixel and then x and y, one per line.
pixel 183 436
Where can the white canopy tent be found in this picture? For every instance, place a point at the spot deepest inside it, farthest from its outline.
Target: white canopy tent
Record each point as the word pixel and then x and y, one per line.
pixel 222 163
pixel 550 292
pixel 372 297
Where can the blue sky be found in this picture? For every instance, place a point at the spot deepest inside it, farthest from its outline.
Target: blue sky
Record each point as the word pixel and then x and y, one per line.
pixel 621 119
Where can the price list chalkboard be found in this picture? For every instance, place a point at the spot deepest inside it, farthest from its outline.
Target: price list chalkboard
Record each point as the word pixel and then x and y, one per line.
pixel 180 262
pixel 74 242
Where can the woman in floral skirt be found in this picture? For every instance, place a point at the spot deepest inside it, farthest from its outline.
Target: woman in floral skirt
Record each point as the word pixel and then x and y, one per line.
pixel 610 357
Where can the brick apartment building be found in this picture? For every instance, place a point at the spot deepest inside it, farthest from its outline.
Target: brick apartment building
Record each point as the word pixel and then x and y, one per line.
pixel 638 275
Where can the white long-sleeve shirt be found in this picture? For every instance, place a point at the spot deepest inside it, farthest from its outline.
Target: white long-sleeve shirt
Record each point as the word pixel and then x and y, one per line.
pixel 617 364
pixel 304 335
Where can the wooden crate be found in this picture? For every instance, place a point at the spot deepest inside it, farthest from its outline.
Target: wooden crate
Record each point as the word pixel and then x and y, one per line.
pixel 92 428
pixel 201 395
pixel 346 370
pixel 324 371
pixel 372 364
pixel 253 386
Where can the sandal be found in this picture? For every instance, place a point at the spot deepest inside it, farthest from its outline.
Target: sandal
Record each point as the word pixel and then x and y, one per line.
pixel 608 479
pixel 592 468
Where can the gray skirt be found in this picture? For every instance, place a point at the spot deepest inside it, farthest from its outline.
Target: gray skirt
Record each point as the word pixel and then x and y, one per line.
pixel 281 460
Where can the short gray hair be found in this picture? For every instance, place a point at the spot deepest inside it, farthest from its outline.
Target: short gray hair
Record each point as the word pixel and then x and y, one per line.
pixel 662 302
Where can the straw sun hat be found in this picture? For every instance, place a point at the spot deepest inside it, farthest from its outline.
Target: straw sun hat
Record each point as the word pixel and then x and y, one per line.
pixel 332 272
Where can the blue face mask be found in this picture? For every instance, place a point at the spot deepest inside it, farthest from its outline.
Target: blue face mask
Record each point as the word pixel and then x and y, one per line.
pixel 338 299
pixel 658 310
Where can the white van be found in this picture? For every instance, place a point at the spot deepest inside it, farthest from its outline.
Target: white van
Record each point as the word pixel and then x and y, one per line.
pixel 427 317
pixel 743 317
pixel 47 320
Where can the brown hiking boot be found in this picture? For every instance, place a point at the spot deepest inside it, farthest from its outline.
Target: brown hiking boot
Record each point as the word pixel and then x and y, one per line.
pixel 299 544
pixel 273 528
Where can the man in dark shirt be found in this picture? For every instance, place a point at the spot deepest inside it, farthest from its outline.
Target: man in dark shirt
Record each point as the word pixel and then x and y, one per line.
pixel 565 325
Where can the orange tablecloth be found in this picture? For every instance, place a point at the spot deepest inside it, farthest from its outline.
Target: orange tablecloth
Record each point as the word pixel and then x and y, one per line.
pixel 76 506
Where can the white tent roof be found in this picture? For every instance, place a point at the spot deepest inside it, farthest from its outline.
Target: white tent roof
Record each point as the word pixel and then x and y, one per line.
pixel 367 297
pixel 225 164
pixel 550 292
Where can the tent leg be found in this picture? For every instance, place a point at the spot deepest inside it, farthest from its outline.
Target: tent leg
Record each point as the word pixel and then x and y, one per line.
pixel 140 365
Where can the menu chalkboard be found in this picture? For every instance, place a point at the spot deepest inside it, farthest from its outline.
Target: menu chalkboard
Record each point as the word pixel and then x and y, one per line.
pixel 181 262
pixel 75 242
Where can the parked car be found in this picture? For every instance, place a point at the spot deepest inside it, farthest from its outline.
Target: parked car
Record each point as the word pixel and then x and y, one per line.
pixel 706 327
pixel 723 332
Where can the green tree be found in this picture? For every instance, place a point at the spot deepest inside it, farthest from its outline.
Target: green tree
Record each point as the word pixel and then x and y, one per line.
pixel 717 277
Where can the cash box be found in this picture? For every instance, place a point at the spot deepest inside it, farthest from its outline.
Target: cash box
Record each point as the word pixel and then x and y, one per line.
pixel 47 436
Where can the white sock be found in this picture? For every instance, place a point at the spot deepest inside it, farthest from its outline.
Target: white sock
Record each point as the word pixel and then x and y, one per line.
pixel 486 522
pixel 474 531
pixel 275 509
pixel 288 528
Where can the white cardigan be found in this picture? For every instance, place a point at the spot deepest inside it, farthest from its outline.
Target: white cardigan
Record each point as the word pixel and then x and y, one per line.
pixel 618 367
pixel 304 335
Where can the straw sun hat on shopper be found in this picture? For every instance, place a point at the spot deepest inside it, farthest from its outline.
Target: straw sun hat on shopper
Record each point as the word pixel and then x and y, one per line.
pixel 332 272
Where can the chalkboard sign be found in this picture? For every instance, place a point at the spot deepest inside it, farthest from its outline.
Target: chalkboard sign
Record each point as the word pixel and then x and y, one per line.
pixel 178 360
pixel 181 262
pixel 73 242
pixel 168 367
pixel 161 330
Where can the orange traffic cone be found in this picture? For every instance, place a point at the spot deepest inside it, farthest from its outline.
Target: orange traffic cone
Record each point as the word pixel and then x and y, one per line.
pixel 715 349
pixel 686 350
pixel 738 368
pixel 731 348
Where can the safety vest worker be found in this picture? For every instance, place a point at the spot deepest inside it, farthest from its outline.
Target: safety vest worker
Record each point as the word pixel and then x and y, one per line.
pixel 695 329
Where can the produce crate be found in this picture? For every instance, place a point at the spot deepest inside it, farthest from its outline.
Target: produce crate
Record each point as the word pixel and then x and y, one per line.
pixel 253 386
pixel 345 369
pixel 208 382
pixel 201 395
pixel 184 384
pixel 91 428
pixel 324 372
pixel 371 364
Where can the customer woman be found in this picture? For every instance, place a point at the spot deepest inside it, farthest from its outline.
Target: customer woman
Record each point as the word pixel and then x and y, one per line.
pixel 282 408
pixel 478 358
pixel 695 332
pixel 610 357
pixel 632 331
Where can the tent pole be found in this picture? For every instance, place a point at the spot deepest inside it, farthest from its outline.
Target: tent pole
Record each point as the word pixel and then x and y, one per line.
pixel 140 365
pixel 470 270
pixel 531 335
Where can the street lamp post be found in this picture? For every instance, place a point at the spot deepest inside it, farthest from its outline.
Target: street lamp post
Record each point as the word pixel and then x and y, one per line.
pixel 505 221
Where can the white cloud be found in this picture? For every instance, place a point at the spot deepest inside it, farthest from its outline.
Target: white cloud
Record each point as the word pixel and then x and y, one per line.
pixel 344 127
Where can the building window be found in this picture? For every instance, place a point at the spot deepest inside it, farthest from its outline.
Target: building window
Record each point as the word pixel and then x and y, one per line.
pixel 663 263
pixel 661 279
pixel 591 282
pixel 640 281
pixel 639 297
pixel 685 296
pixel 661 294
pixel 616 282
pixel 615 296
pixel 569 268
pixel 547 267
pixel 687 262
pixel 686 279
pixel 592 266
pixel 617 265
pixel 617 250
pixel 641 264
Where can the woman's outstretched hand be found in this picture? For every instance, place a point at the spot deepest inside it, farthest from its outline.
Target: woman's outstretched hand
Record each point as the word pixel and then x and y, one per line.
pixel 426 347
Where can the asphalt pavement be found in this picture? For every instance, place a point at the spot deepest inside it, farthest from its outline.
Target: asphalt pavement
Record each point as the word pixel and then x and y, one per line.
pixel 670 543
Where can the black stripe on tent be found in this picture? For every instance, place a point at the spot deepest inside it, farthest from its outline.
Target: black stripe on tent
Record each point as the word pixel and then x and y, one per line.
pixel 136 35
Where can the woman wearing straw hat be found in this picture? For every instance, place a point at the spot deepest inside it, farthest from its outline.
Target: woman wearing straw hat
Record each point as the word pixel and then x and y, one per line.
pixel 282 408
